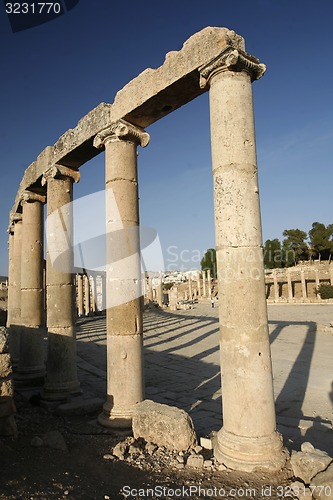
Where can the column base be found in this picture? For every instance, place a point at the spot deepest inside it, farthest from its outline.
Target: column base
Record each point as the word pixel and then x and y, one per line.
pixel 115 419
pixel 32 376
pixel 249 454
pixel 61 392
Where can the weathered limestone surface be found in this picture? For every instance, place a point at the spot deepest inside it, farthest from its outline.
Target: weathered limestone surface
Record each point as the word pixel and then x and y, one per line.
pixel 163 425
pixel 322 485
pixel 123 273
pixel 31 363
pixel 248 438
pixel 147 98
pixel 61 378
pixel 308 462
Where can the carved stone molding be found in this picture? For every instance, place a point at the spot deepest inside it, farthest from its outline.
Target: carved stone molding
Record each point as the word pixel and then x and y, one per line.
pixel 122 130
pixel 58 171
pixel 30 197
pixel 233 60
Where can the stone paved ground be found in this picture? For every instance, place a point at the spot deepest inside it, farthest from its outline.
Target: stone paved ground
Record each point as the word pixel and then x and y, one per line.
pixel 182 366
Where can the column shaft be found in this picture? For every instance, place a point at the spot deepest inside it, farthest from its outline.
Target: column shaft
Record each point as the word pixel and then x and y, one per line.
pixel 61 379
pixel 304 291
pixel 290 287
pixel 124 303
pixel 15 315
pixel 248 438
pixel 276 287
pixel 31 367
pixel 204 283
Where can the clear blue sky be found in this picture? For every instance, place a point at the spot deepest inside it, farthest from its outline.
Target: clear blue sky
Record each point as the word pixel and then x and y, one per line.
pixel 55 73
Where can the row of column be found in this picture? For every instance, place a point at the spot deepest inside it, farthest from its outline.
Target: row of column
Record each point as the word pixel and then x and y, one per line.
pixel 90 294
pixel 290 285
pixel 248 438
pixel 26 297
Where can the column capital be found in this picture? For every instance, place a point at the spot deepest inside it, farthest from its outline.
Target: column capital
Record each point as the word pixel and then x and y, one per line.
pixel 14 217
pixel 30 197
pixel 233 60
pixel 122 130
pixel 58 171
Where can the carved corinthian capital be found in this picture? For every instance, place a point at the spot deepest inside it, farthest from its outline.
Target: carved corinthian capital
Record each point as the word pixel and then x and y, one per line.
pixel 122 130
pixel 57 171
pixel 233 60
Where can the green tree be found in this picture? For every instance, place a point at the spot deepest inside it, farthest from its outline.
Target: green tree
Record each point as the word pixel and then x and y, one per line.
pixel 209 261
pixel 273 254
pixel 321 240
pixel 294 247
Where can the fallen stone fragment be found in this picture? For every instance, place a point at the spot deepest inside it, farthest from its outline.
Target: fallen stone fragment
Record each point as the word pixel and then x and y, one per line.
pixel 163 425
pixel 119 451
pixel 55 440
pixel 108 456
pixel 307 464
pixel 322 485
pixel 195 461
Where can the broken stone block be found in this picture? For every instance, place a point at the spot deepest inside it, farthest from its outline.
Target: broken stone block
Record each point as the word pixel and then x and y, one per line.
pixel 163 425
pixel 307 464
pixel 195 461
pixel 322 485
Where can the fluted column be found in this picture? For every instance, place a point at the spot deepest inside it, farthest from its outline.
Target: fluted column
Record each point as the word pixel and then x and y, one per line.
pixel 124 304
pixel 61 377
pixel 31 369
pixel 190 288
pixel 248 438
pixel 14 315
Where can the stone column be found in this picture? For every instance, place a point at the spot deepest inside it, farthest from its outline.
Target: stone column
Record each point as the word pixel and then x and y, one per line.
pixel 10 303
pixel 248 438
pixel 204 283
pixel 199 284
pixel 304 292
pixel 92 294
pixel 276 287
pixel 190 288
pixel 61 377
pixel 290 287
pixel 86 295
pixel 14 319
pixel 209 282
pixel 150 290
pixel 160 291
pixel 31 369
pixel 79 284
pixel 124 303
pixel 331 274
pixel 317 277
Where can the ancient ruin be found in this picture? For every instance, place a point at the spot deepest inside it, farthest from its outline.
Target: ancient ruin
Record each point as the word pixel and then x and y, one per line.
pixel 212 60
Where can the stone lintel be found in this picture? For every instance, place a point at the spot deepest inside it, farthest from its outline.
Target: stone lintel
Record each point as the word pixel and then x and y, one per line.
pixel 144 100
pixel 122 130
pixel 58 171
